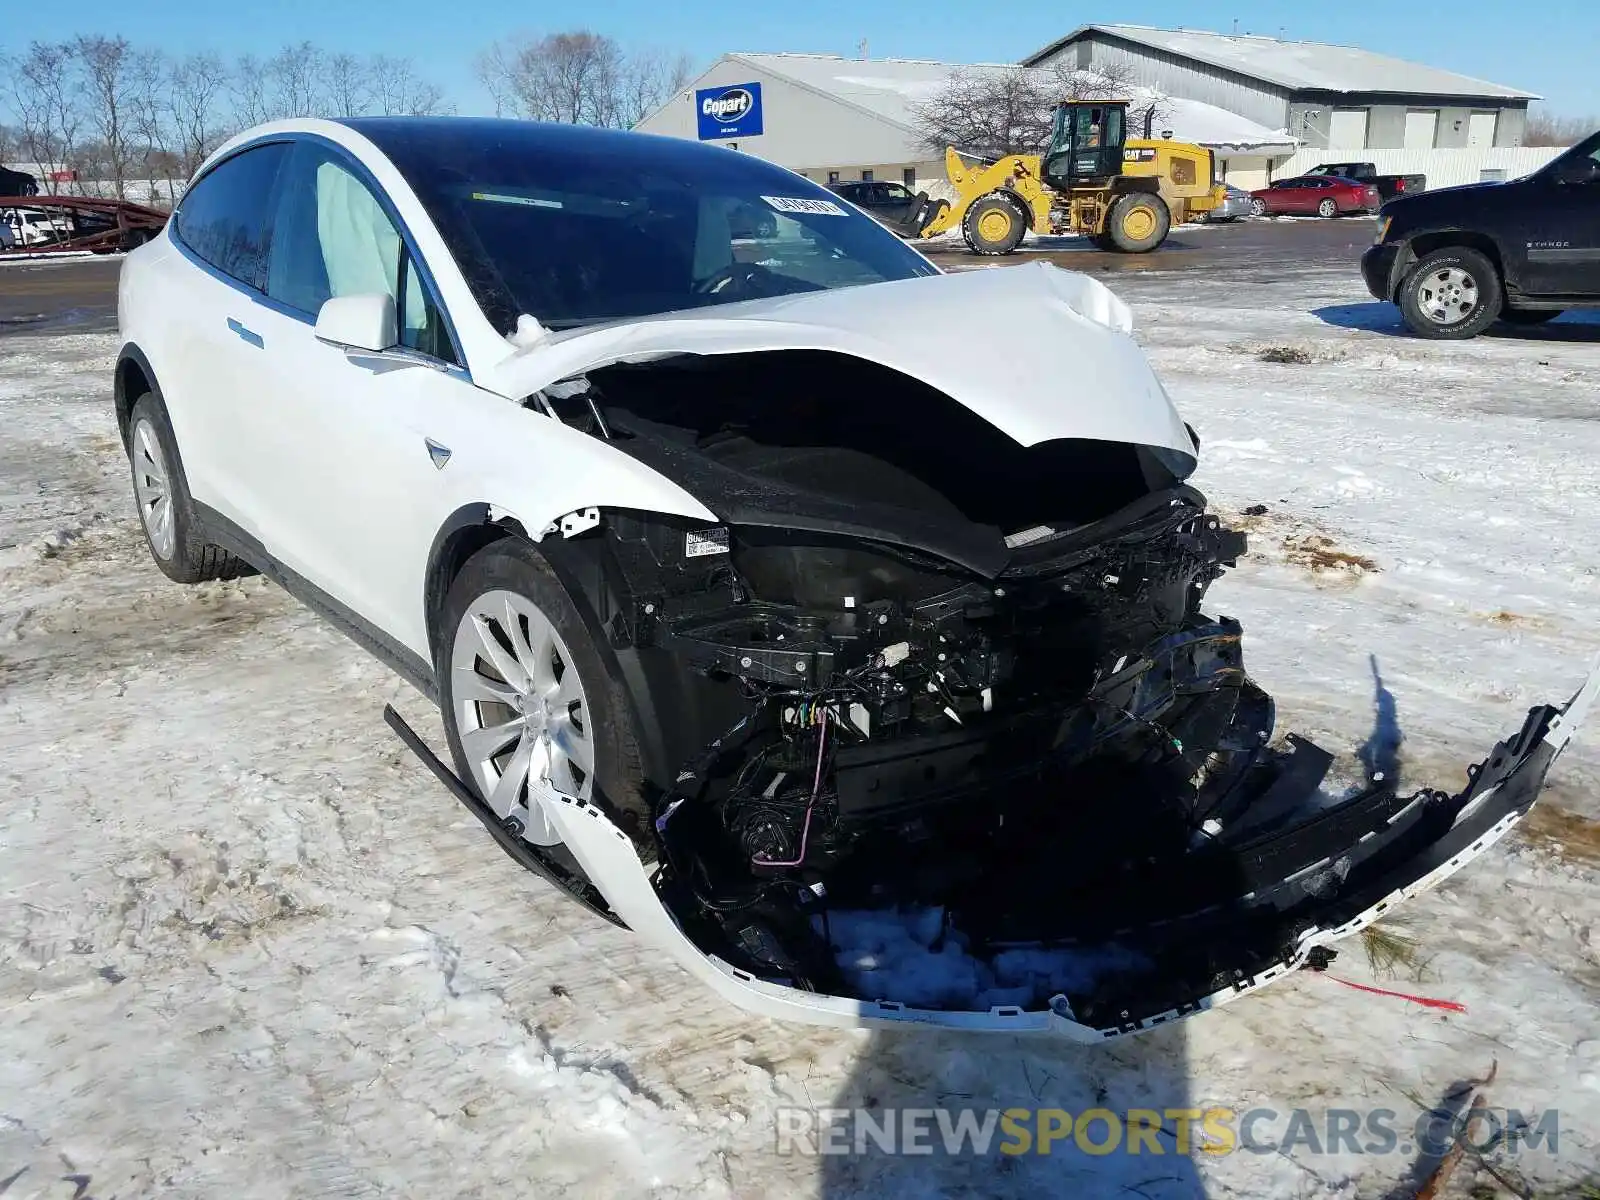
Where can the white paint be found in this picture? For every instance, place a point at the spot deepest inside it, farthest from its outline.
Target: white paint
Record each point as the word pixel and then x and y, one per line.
pixel 1421 127
pixel 1347 129
pixel 1443 167
pixel 1480 128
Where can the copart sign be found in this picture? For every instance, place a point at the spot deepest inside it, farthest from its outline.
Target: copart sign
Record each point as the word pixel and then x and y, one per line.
pixel 728 112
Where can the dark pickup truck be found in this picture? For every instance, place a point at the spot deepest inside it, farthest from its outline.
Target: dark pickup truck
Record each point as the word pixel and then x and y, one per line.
pixel 1457 259
pixel 1389 186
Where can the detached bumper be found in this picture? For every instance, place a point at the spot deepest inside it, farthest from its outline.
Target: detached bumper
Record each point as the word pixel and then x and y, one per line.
pixel 1259 938
pixel 1378 269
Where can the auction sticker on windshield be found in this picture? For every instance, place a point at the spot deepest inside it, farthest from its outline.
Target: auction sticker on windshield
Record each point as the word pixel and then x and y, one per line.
pixel 795 204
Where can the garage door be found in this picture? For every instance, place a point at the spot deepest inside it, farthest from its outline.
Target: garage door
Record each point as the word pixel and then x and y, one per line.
pixel 1348 129
pixel 1480 129
pixel 1421 125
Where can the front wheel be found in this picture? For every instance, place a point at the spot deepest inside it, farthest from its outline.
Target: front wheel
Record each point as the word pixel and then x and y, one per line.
pixel 1258 208
pixel 1452 293
pixel 528 704
pixel 994 225
pixel 1327 208
pixel 1138 222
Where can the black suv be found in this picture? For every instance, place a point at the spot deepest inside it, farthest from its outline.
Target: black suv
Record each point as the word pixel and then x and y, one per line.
pixel 1457 259
pixel 890 203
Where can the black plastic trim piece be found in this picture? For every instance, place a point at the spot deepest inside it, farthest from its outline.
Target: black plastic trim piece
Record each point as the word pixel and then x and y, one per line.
pixel 519 851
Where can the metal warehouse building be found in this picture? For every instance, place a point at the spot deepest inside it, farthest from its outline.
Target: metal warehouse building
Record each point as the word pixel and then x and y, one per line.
pixel 834 118
pixel 1339 101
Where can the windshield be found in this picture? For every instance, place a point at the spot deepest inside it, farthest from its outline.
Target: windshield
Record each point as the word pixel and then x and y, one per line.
pixel 572 225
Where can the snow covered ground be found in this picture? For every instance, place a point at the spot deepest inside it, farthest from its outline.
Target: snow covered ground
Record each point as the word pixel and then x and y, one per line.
pixel 248 948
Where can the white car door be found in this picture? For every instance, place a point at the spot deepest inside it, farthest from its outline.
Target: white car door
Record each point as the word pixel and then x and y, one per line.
pixel 350 448
pixel 211 355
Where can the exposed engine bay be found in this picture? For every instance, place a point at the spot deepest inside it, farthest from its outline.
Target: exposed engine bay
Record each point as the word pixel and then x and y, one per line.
pixel 922 670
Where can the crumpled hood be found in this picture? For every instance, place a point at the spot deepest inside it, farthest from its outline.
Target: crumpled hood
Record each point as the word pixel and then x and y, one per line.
pixel 1039 352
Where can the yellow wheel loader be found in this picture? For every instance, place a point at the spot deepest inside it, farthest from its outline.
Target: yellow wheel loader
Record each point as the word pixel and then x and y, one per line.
pixel 1124 193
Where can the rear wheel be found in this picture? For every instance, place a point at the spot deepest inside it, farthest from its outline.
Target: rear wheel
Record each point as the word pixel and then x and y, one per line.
pixel 166 511
pixel 1451 293
pixel 526 698
pixel 1138 222
pixel 1258 207
pixel 1327 208
pixel 1529 316
pixel 994 225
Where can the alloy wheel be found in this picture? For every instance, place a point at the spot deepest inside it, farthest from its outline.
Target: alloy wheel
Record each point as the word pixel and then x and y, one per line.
pixel 520 710
pixel 1447 296
pixel 152 489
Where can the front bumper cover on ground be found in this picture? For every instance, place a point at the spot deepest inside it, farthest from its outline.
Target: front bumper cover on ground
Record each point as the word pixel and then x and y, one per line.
pixel 1500 792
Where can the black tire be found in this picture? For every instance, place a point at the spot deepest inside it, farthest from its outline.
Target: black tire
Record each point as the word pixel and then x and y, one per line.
pixel 1327 208
pixel 1142 210
pixel 1258 207
pixel 1529 316
pixel 978 227
pixel 189 558
pixel 1102 241
pixel 1435 286
pixel 514 565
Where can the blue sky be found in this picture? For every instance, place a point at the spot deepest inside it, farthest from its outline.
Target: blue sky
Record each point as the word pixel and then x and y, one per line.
pixel 1546 47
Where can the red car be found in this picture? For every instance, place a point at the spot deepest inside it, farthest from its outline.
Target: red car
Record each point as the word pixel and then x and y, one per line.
pixel 1322 195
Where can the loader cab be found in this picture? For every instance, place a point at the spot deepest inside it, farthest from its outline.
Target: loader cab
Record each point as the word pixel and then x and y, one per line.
pixel 1086 143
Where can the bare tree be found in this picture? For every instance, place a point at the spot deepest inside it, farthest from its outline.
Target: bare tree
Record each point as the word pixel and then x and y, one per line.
pixel 563 77
pixel 295 74
pixel 107 66
pixel 580 78
pixel 45 89
pixel 349 88
pixel 199 85
pixel 990 113
pixel 395 89
pixel 648 79
pixel 1547 129
pixel 247 90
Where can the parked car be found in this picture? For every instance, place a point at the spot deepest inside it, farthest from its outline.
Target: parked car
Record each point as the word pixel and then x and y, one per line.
pixel 1523 251
pixel 890 203
pixel 1319 195
pixel 32 227
pixel 1389 186
pixel 1236 203
pixel 753 596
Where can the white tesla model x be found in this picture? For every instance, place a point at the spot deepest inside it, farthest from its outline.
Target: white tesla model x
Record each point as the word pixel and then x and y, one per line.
pixel 831 622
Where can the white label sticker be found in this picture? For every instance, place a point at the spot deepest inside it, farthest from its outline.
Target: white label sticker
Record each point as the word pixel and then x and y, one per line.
pixel 795 204
pixel 699 542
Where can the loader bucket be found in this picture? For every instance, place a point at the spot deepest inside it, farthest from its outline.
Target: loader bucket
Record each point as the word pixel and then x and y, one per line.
pixel 925 218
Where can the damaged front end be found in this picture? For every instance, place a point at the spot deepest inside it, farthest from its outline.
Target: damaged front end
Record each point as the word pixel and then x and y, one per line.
pixel 937 726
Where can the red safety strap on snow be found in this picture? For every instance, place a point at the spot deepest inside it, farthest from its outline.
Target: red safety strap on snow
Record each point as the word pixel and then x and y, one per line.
pixel 1429 1001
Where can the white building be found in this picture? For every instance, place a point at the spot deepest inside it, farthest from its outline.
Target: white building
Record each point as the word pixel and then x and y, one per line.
pixel 1341 102
pixel 834 118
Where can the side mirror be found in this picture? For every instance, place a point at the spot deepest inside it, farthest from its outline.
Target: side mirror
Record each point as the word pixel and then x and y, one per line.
pixel 364 322
pixel 1578 171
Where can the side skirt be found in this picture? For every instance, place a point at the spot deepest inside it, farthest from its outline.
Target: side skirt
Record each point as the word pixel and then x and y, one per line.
pixel 220 531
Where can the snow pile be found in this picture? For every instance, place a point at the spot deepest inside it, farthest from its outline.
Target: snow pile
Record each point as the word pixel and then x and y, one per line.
pixel 909 956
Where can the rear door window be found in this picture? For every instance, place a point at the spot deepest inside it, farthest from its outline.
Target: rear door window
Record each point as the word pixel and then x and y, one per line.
pixel 223 217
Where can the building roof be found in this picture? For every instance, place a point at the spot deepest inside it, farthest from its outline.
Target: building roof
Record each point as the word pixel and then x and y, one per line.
pixel 1298 66
pixel 893 88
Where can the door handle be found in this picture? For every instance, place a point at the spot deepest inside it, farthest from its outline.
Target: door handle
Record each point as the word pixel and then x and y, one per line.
pixel 247 335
